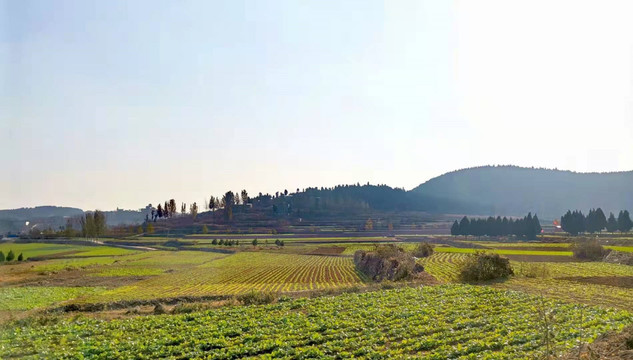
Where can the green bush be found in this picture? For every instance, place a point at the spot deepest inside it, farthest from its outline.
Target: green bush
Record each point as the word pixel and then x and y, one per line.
pixel 589 250
pixel 10 255
pixel 214 242
pixel 20 257
pixel 422 250
pixel 484 266
pixel 257 297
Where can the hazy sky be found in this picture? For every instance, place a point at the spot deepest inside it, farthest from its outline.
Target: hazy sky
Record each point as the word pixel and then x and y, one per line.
pixel 123 103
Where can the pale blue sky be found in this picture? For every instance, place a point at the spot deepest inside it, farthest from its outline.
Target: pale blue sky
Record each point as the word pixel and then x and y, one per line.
pixel 123 103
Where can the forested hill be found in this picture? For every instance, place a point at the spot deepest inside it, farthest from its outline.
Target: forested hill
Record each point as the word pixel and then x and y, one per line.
pixel 512 190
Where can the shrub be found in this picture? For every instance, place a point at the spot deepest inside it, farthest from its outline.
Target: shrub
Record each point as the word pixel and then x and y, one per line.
pixel 133 311
pixel 20 257
pixel 484 266
pixel 533 270
pixel 257 297
pixel 221 242
pixel 159 309
pixel 422 250
pixel 589 250
pixel 387 262
pixel 255 242
pixel 214 242
pixel 10 255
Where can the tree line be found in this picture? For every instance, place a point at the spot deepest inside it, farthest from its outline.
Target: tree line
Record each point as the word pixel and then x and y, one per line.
pixel 528 227
pixel 574 222
pixel 93 224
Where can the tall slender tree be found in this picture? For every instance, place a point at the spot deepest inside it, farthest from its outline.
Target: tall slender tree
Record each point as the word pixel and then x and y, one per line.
pixel 228 200
pixel 612 224
pixel 624 221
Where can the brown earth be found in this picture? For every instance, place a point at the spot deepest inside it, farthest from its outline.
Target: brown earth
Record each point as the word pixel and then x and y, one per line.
pixel 532 248
pixel 20 275
pixel 327 250
pixel 610 346
pixel 618 281
pixel 542 258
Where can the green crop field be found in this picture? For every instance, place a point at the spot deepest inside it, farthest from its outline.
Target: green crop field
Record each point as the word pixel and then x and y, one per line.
pixel 26 298
pixel 429 323
pixel 238 273
pixel 36 249
pixel 451 320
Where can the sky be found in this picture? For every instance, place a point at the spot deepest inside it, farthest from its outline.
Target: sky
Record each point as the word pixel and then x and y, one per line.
pixel 107 104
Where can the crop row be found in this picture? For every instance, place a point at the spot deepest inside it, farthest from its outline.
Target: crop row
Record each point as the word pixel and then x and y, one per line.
pixel 242 272
pixel 440 322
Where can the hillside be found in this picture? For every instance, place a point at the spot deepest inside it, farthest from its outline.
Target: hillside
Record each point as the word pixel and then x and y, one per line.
pixel 512 190
pixel 39 212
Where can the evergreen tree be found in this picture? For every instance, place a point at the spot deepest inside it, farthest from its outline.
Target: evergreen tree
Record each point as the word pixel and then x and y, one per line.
pixel 464 226
pixel 20 257
pixel 10 255
pixel 612 223
pixel 536 226
pixel 455 228
pixel 624 221
pixel 600 220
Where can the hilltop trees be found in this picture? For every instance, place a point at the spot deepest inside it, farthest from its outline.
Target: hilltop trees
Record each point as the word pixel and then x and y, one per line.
pixel 172 207
pixel 228 200
pixel 244 195
pixel 529 227
pixel 193 209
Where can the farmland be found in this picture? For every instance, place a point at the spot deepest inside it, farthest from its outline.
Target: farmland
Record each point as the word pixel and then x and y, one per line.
pixel 585 299
pixel 432 322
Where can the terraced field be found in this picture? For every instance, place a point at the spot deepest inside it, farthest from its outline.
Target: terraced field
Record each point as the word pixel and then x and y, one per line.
pixel 241 272
pixel 437 322
pixel 584 282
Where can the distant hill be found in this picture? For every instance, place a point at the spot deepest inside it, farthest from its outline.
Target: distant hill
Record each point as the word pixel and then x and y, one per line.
pixel 39 212
pixel 512 190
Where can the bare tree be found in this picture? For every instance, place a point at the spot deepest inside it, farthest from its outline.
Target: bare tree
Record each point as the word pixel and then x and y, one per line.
pixel 228 200
pixel 193 209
